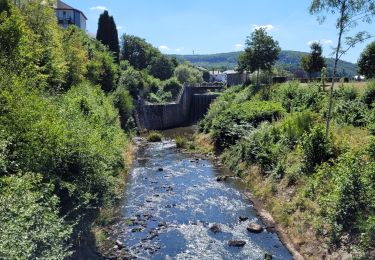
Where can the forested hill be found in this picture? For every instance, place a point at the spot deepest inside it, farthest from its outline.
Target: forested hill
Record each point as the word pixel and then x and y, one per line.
pixel 289 60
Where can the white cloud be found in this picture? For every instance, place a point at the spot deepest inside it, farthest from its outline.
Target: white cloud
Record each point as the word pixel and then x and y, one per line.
pixel 120 28
pixel 268 27
pixel 238 46
pixel 323 42
pixel 99 8
pixel 178 50
pixel 164 48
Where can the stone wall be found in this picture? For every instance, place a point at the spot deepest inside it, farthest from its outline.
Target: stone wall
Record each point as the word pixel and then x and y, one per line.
pixel 191 106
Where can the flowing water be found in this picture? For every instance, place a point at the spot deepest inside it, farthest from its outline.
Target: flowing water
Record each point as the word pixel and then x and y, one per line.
pixel 172 200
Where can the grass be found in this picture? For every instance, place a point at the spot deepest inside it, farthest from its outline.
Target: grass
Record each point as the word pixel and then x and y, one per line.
pixel 154 137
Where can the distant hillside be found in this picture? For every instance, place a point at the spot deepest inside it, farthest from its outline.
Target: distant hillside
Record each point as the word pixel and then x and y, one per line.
pixel 289 60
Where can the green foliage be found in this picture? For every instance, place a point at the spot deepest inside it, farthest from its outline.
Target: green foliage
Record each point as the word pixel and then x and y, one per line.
pixel 351 112
pixel 294 97
pixel 173 86
pixel 154 137
pixel 258 147
pixel 296 125
pixel 369 94
pixel 137 51
pixel 47 44
pixel 76 56
pixel 181 142
pixel 346 93
pixel 133 81
pixel 30 224
pixel 161 67
pixel 185 73
pixel 108 35
pixel 124 103
pixel 366 62
pixel 316 148
pixel 234 122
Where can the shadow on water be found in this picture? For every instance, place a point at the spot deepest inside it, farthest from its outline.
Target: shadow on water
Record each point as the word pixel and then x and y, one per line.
pixel 173 199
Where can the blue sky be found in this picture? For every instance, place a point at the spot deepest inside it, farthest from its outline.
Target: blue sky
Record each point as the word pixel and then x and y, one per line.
pixel 214 26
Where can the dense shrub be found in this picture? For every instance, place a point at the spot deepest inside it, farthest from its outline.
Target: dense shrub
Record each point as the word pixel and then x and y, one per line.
pixel 316 148
pixel 231 124
pixel 181 142
pixel 346 93
pixel 124 103
pixel 259 147
pixel 133 81
pixel 369 95
pixel 173 86
pixel 296 125
pixel 30 224
pixel 351 112
pixel 154 137
pixel 294 97
pixel 185 73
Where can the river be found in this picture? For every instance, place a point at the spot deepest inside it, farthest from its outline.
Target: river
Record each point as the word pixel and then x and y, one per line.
pixel 172 200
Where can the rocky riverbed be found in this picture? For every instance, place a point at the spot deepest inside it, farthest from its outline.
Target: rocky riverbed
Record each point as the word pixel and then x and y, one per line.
pixel 178 206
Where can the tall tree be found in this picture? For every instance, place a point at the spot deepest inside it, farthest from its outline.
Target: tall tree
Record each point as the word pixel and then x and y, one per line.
pixel 366 62
pixel 261 52
pixel 349 14
pixel 137 51
pixel 108 35
pixel 314 62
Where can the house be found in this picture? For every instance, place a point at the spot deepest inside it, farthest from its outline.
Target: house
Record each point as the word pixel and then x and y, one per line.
pixel 218 76
pixel 235 77
pixel 67 15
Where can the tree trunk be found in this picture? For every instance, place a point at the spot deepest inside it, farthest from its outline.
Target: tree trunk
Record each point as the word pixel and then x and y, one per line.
pixel 341 30
pixel 258 78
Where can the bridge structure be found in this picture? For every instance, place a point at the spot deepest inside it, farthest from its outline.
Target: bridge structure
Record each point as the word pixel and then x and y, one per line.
pixel 191 105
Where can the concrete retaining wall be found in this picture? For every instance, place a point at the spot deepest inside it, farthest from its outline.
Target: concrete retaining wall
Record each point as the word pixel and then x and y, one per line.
pixel 191 106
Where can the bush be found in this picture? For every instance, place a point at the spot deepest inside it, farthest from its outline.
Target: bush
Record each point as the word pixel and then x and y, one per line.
pixel 124 103
pixel 30 224
pixel 351 112
pixel 316 148
pixel 346 93
pixel 260 147
pixel 181 142
pixel 369 95
pixel 185 73
pixel 296 125
pixel 154 137
pixel 234 122
pixel 173 86
pixel 294 97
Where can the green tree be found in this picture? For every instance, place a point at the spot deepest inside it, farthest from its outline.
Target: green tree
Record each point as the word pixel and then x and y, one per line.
pixel 261 52
pixel 314 62
pixel 185 73
pixel 137 51
pixel 350 13
pixel 161 67
pixel 366 62
pixel 108 35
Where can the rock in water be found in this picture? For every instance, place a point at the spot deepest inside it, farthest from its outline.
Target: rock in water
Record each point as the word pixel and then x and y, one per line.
pixel 119 244
pixel 243 218
pixel 160 169
pixel 237 243
pixel 215 228
pixel 254 228
pixel 267 256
